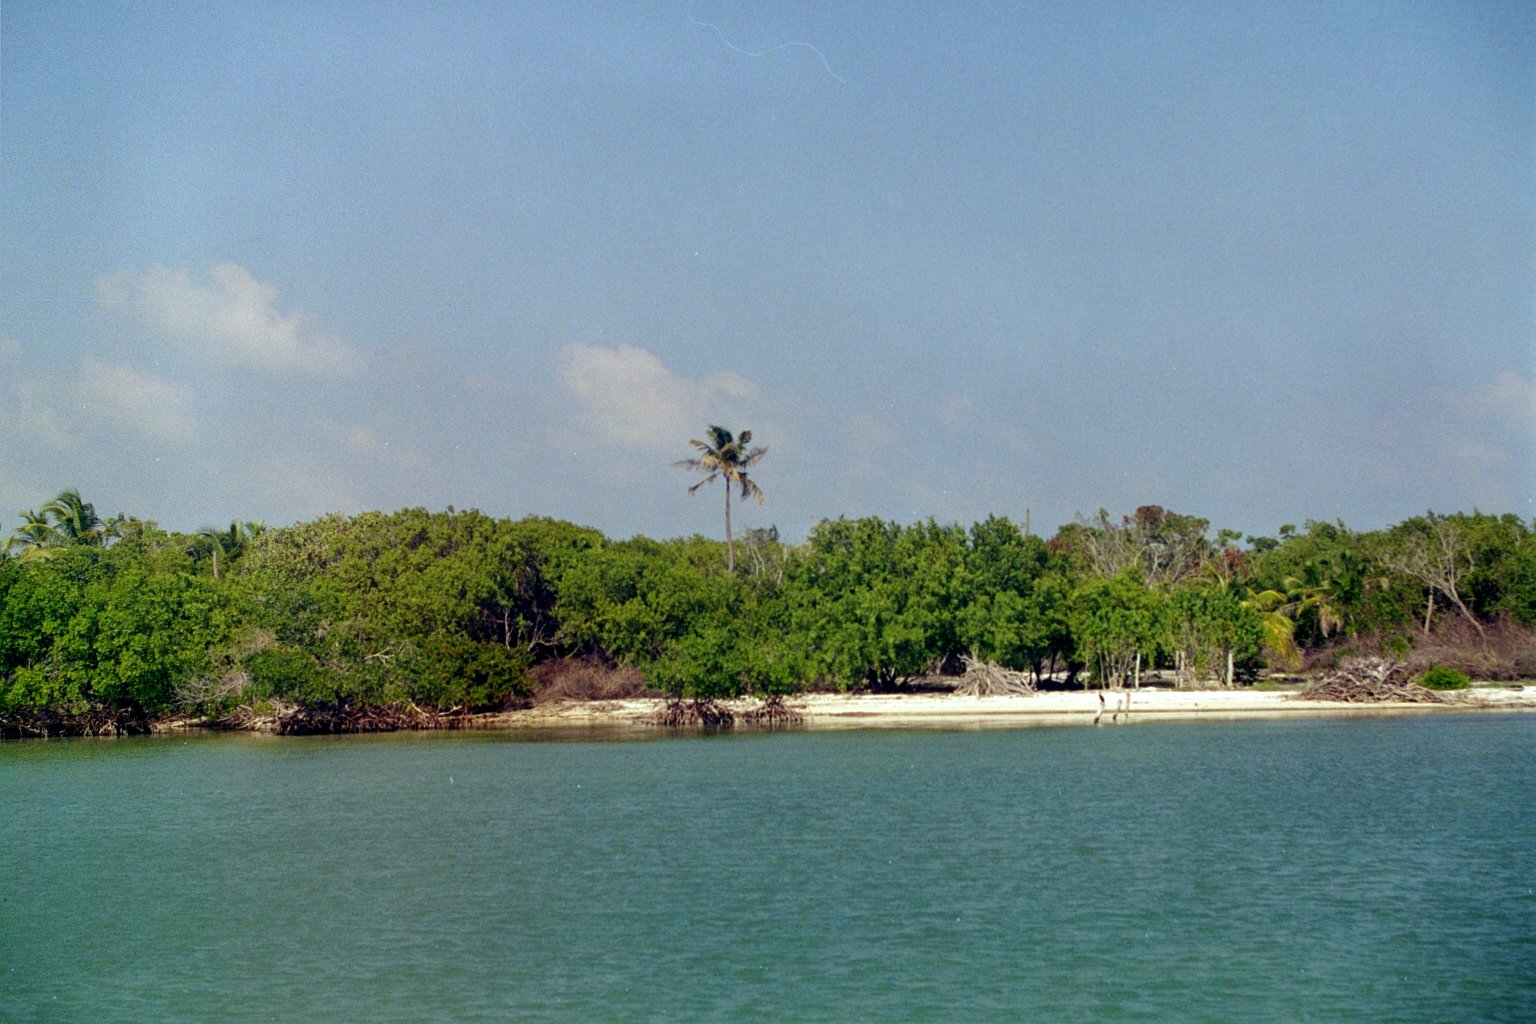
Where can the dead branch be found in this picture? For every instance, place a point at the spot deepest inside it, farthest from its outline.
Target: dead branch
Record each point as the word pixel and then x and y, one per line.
pixel 1370 680
pixel 988 679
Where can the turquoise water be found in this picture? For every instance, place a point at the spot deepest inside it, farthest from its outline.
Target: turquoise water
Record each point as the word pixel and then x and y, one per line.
pixel 1317 870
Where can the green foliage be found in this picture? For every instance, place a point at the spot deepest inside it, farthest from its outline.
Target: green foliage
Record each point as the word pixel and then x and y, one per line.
pixel 443 609
pixel 692 629
pixel 450 609
pixel 1014 605
pixel 1501 565
pixel 66 521
pixel 631 599
pixel 451 670
pixel 876 602
pixel 1332 585
pixel 1116 621
pixel 1438 677
pixel 1516 583
pixel 117 628
pixel 282 670
pixel 156 625
pixel 1212 632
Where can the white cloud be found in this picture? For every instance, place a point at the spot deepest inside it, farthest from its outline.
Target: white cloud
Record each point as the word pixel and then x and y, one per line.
pixel 26 415
pixel 1469 453
pixel 1510 400
pixel 629 397
pixel 28 412
pixel 234 319
pixel 132 398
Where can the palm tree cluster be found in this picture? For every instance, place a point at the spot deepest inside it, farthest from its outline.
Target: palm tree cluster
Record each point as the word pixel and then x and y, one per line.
pixel 66 521
pixel 1282 608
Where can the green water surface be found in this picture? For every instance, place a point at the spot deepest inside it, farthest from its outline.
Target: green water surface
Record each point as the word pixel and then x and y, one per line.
pixel 1280 871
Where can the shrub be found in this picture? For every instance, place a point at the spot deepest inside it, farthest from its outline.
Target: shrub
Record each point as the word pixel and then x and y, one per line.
pixel 1438 677
pixel 450 670
pixel 288 672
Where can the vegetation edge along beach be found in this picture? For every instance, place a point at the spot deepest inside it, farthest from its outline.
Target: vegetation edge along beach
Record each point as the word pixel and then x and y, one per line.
pixel 418 619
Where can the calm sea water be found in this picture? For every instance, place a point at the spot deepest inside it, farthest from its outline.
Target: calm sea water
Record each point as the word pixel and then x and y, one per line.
pixel 1376 869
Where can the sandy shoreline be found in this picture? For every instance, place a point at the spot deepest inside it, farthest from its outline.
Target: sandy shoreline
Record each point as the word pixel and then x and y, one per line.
pixel 874 711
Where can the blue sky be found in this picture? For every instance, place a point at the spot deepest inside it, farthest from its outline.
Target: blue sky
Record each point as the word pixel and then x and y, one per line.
pixel 1256 262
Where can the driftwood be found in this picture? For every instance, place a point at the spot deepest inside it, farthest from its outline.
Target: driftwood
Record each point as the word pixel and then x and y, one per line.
pixel 1370 680
pixel 678 713
pixel 987 679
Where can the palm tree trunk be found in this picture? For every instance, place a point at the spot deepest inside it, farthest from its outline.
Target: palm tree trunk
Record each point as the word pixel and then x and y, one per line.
pixel 730 545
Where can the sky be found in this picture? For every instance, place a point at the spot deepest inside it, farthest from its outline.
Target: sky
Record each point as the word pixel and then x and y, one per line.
pixel 1256 262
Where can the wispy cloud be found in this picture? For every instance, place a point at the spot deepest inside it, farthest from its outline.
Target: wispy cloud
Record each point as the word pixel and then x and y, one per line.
pixel 129 397
pixel 1510 400
pixel 233 318
pixel 61 410
pixel 27 416
pixel 629 397
pixel 355 441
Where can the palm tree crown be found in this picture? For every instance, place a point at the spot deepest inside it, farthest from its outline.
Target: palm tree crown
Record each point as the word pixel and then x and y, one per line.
pixel 74 518
pixel 66 521
pixel 725 455
pixel 211 540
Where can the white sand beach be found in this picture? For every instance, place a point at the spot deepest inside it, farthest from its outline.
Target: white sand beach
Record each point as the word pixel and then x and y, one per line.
pixel 873 711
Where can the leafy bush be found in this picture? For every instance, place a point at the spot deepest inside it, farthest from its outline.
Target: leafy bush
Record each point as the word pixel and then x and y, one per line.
pixel 449 670
pixel 289 672
pixel 1438 677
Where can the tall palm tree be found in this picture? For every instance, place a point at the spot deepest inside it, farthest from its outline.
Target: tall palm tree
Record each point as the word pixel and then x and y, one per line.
pixel 726 456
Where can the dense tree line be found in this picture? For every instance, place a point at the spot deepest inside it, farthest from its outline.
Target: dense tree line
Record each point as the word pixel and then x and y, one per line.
pixel 122 622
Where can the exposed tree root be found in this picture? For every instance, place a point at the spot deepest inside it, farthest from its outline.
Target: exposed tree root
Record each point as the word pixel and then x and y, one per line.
pixel 94 721
pixel 341 717
pixel 679 713
pixel 774 714
pixel 986 679
pixel 1370 680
